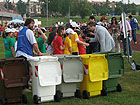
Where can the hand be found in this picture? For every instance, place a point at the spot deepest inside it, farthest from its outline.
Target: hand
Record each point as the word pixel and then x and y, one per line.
pixel 87 44
pixel 39 30
pixel 40 54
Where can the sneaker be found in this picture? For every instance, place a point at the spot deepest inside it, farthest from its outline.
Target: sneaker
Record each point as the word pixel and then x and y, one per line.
pixel 130 56
pixel 135 42
pixel 124 56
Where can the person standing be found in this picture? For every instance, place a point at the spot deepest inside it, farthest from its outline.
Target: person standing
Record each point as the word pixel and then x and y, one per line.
pixel 26 41
pixel 57 43
pixel 9 45
pixel 50 39
pixel 93 46
pixel 41 40
pixel 128 28
pixel 75 39
pixel 102 36
pixel 134 25
pixel 114 30
pixel 67 42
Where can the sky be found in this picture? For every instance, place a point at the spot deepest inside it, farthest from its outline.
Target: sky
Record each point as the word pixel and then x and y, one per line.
pixel 124 1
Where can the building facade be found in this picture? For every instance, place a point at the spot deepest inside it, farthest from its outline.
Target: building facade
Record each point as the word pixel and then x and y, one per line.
pixel 33 8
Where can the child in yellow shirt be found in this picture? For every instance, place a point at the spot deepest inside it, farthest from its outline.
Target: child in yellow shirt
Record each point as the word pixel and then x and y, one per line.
pixel 67 42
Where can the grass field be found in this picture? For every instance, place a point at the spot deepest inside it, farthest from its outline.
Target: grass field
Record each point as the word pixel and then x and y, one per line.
pixel 129 96
pixel 52 21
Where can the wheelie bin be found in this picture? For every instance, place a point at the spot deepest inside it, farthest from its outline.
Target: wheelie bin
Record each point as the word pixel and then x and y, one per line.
pixel 13 73
pixel 46 74
pixel 116 70
pixel 72 73
pixel 95 71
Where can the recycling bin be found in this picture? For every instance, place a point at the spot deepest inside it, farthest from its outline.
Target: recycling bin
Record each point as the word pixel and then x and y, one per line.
pixel 46 74
pixel 95 71
pixel 13 73
pixel 116 70
pixel 72 73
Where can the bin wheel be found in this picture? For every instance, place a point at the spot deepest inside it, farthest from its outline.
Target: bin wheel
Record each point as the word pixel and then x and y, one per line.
pixel 35 98
pixel 77 93
pixel 3 102
pixel 86 94
pixel 119 88
pixel 103 92
pixel 58 96
pixel 24 99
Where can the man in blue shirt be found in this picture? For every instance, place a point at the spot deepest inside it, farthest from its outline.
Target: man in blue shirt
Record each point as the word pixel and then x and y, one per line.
pixel 134 26
pixel 25 43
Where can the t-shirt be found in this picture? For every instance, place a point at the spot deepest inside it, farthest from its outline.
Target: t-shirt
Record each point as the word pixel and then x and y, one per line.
pixel 74 38
pixel 13 41
pixel 81 48
pixel 57 42
pixel 41 45
pixel 8 43
pixel 67 44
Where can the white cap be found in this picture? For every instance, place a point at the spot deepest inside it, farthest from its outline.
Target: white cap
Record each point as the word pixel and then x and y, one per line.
pixel 13 30
pixel 70 31
pixel 74 24
pixel 7 30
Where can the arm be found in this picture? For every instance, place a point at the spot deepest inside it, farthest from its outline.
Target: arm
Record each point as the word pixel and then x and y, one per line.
pixel 43 35
pixel 70 50
pixel 13 51
pixel 62 47
pixel 101 34
pixel 37 49
pixel 82 43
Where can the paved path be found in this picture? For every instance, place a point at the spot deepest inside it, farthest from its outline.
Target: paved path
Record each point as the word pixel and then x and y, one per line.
pixel 135 47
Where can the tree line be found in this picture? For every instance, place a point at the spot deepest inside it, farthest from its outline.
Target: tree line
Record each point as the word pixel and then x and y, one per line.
pixel 58 8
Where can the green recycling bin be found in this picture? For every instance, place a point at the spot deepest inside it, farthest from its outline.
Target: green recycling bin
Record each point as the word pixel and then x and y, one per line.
pixel 116 70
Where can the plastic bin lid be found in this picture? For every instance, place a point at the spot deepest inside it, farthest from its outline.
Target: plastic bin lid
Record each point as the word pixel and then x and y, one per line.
pixel 72 69
pixel 91 55
pixel 49 73
pixel 43 58
pixel 98 68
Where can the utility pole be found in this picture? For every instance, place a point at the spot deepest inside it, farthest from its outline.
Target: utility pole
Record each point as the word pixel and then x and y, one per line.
pixel 47 10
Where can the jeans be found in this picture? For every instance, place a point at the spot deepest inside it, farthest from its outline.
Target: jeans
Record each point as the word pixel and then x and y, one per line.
pixel 125 46
pixel 134 35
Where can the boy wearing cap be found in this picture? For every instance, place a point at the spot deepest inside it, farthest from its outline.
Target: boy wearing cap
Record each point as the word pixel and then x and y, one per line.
pixel 67 42
pixel 9 45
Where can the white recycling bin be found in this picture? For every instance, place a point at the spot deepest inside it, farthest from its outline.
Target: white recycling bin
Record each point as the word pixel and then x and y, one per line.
pixel 72 73
pixel 46 75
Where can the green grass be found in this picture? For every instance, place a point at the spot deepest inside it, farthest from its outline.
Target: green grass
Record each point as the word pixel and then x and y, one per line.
pixel 129 96
pixel 52 20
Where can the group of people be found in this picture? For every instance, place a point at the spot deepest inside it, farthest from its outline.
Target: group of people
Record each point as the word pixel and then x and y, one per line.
pixel 73 39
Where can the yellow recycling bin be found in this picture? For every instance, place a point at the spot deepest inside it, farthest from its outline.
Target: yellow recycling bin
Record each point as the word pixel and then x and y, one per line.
pixel 95 71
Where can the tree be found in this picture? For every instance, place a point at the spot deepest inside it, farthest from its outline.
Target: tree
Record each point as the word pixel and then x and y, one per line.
pixel 85 9
pixel 8 5
pixel 21 7
pixel 118 10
